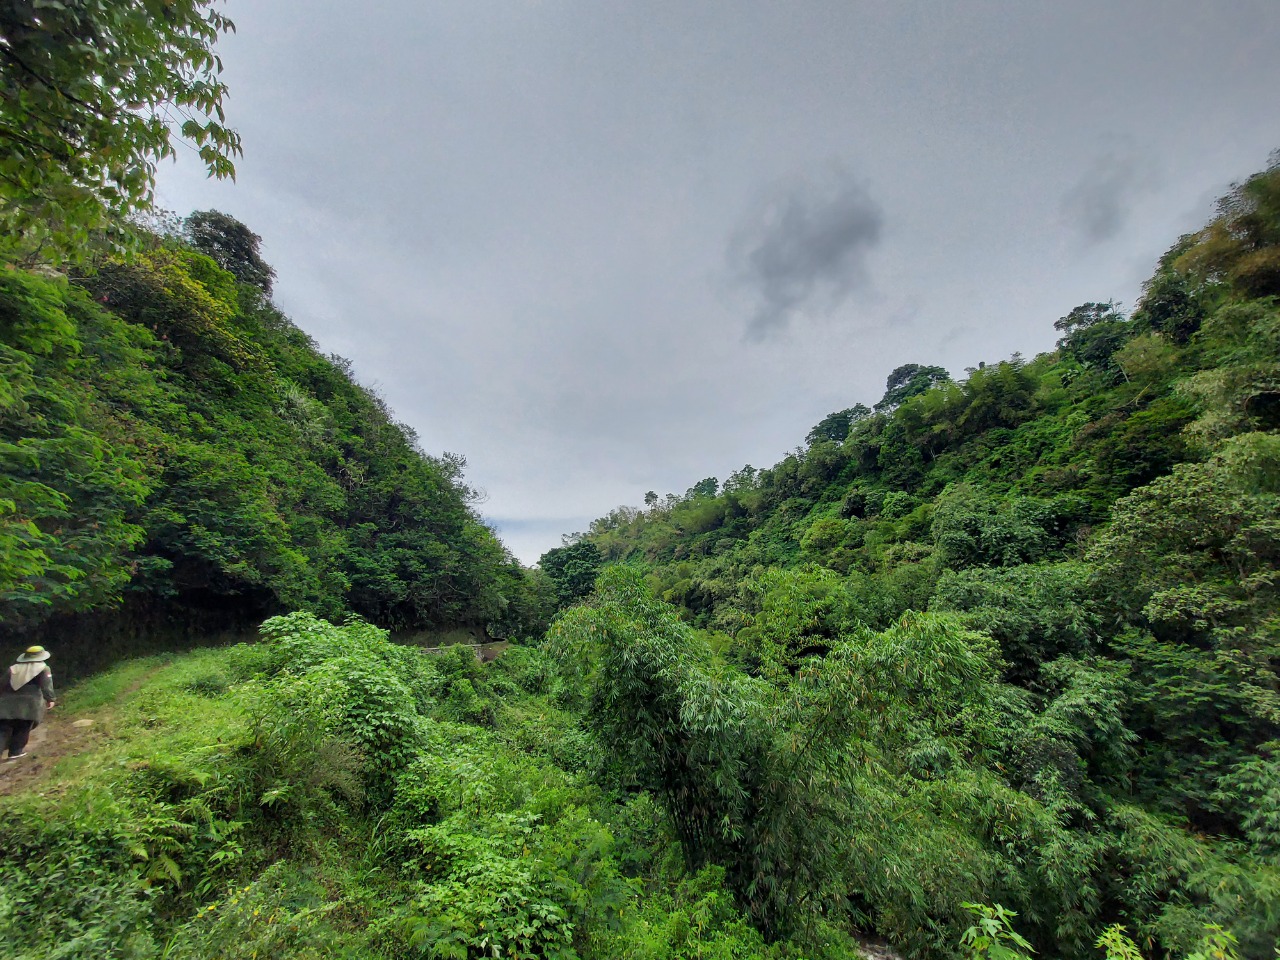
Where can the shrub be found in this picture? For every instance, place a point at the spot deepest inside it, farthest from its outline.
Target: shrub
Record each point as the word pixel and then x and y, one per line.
pixel 72 893
pixel 280 914
pixel 1036 612
pixel 368 689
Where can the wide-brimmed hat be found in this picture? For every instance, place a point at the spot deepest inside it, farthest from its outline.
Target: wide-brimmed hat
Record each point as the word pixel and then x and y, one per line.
pixel 32 654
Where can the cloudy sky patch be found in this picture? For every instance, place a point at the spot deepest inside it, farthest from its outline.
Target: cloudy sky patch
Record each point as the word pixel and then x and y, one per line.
pixel 1100 203
pixel 804 248
pixel 514 218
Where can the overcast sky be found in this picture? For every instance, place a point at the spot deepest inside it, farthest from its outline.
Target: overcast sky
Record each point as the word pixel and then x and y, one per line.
pixel 601 248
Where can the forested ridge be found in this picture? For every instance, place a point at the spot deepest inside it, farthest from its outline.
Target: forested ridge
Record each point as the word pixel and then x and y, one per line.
pixel 178 455
pixel 1039 600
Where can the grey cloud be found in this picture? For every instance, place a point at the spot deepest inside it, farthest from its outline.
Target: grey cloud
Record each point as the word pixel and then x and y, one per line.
pixel 804 250
pixel 1099 204
pixel 956 335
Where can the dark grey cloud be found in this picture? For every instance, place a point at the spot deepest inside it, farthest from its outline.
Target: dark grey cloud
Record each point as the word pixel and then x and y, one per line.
pixel 804 249
pixel 1100 203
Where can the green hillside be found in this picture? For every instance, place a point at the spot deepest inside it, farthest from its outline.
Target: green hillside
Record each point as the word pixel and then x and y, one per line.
pixel 179 458
pixel 991 670
pixel 1108 514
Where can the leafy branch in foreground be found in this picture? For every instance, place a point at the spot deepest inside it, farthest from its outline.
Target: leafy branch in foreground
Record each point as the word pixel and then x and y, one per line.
pixel 91 94
pixel 992 936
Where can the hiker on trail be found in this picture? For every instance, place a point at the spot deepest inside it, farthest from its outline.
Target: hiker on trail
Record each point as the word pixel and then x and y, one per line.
pixel 24 695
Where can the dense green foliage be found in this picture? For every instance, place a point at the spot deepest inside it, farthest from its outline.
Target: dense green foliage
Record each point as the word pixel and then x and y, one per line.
pixel 988 669
pixel 572 570
pixel 170 437
pixel 1068 566
pixel 342 796
pixel 766 777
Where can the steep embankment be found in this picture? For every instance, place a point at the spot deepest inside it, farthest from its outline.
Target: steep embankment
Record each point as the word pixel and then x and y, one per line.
pixel 178 459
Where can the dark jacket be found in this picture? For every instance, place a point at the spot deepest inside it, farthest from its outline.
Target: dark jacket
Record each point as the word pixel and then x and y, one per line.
pixel 28 702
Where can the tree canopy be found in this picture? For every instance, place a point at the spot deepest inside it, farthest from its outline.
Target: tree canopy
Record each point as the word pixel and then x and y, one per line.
pixel 835 426
pixel 232 245
pixel 910 380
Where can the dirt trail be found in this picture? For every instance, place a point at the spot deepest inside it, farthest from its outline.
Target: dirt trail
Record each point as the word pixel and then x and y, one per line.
pixel 55 738
pixel 873 949
pixel 62 734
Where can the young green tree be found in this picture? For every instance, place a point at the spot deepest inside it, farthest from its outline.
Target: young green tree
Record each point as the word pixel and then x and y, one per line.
pixel 572 568
pixel 232 245
pixel 835 426
pixel 907 381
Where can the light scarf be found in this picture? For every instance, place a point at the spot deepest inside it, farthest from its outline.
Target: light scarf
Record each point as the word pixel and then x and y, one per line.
pixel 20 674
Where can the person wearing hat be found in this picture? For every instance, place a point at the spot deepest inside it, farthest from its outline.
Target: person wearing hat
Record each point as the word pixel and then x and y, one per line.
pixel 24 695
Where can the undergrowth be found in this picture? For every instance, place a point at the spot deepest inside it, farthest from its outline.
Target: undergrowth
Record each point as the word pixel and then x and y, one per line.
pixel 327 793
